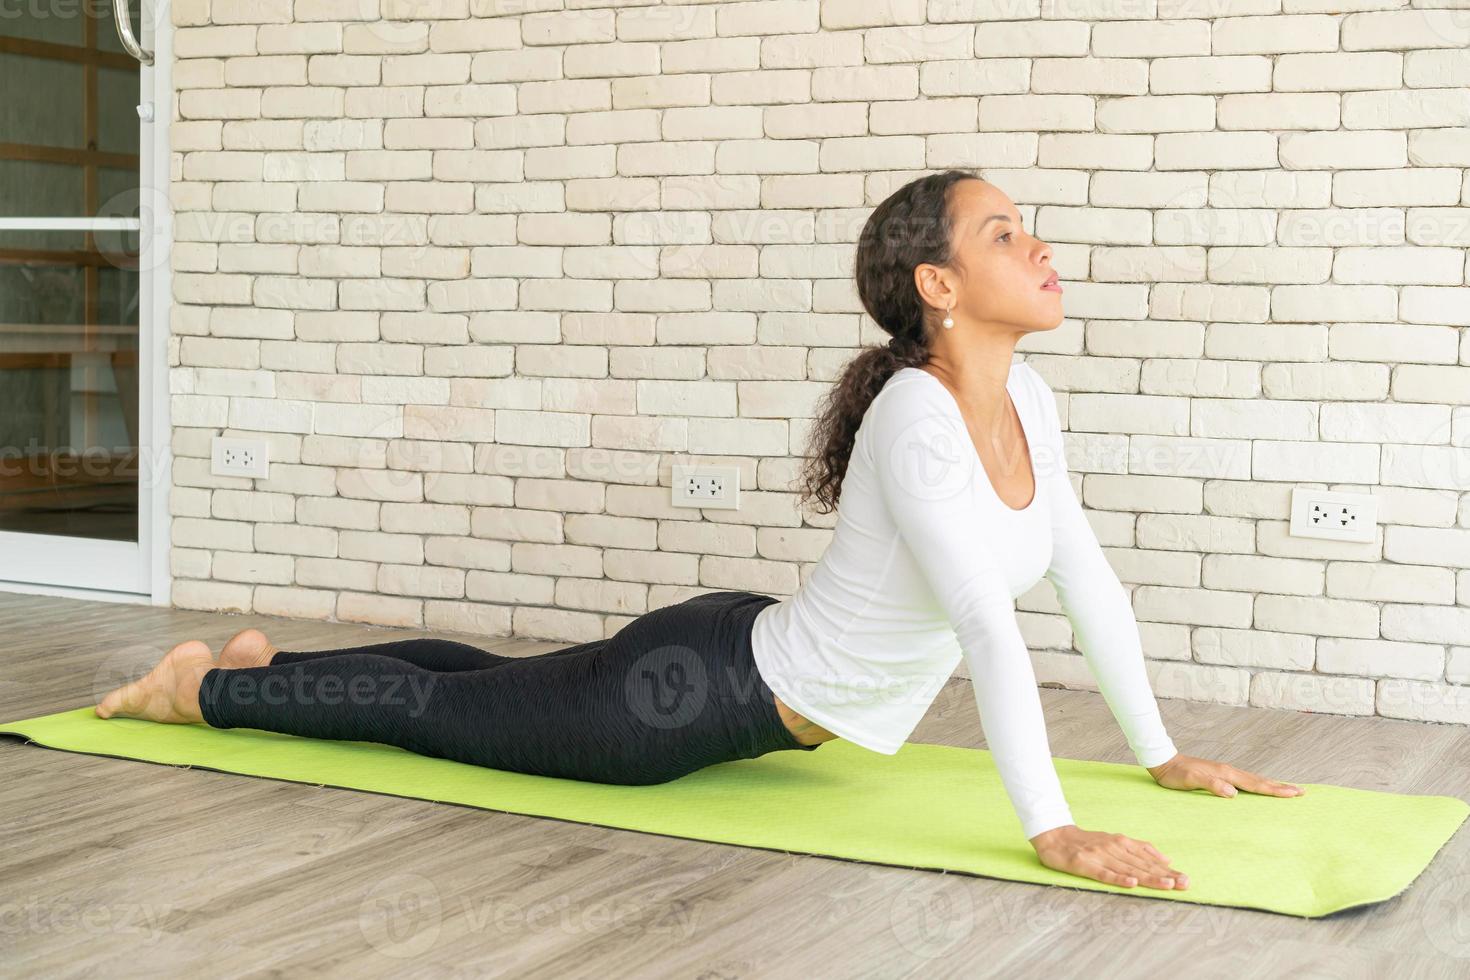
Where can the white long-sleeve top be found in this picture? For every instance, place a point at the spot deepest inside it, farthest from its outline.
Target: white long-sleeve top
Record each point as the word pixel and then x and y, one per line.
pixel 923 568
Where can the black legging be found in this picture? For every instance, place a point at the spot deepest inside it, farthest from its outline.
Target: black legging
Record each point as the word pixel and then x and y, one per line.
pixel 673 691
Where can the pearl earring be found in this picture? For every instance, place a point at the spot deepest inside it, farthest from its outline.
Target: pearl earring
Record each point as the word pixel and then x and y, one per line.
pixel 948 320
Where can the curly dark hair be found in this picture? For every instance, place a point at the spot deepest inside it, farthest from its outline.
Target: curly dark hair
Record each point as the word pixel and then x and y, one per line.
pixel 911 227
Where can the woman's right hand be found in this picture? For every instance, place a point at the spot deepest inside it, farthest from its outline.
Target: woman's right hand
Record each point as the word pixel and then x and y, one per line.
pixel 1109 858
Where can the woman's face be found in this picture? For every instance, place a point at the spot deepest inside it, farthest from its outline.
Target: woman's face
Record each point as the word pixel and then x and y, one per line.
pixel 998 267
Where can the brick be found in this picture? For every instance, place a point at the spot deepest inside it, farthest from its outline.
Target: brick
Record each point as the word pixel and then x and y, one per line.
pixel 476 276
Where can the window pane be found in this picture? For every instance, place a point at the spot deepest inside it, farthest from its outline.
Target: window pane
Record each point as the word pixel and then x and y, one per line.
pixel 68 386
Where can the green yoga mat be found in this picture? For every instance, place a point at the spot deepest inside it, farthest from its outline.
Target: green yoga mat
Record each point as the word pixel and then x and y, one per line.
pixel 926 807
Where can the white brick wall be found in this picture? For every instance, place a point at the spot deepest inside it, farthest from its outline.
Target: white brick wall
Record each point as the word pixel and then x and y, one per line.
pixel 480 273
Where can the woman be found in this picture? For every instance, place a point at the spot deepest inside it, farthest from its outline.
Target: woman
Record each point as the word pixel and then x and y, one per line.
pixel 958 500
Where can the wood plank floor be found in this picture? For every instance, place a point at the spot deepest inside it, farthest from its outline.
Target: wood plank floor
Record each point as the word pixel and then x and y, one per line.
pixel 125 867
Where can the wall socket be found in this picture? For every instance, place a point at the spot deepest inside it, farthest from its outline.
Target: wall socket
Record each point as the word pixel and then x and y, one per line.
pixel 239 457
pixel 706 486
pixel 1333 514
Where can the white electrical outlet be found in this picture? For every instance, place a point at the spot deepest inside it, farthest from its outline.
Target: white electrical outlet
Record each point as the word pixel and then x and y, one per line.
pixel 706 486
pixel 239 457
pixel 1333 514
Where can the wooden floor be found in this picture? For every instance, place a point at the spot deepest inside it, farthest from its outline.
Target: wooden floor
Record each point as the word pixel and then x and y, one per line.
pixel 126 867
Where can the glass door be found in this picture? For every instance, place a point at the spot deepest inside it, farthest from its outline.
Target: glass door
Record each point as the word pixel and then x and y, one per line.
pixel 76 294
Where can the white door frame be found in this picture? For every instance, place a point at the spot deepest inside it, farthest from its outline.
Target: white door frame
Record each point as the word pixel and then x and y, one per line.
pixel 122 571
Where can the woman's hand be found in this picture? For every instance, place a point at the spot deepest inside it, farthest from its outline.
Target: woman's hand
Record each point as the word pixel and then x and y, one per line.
pixel 1110 858
pixel 1186 772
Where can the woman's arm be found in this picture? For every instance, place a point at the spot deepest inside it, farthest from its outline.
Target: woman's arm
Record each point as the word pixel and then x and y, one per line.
pixel 1097 605
pixel 926 469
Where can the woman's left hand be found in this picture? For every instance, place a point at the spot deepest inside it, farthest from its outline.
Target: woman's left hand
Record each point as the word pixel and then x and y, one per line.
pixel 1186 772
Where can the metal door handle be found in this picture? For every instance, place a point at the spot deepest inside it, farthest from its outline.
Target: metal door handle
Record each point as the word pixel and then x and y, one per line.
pixel 124 22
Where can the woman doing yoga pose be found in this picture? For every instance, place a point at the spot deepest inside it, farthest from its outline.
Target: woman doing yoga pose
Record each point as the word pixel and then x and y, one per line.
pixel 955 498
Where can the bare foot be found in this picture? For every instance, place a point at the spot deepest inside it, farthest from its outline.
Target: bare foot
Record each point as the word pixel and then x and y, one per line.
pixel 170 692
pixel 247 648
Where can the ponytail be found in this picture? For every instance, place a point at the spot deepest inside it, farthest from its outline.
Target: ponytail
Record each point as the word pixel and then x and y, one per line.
pixel 910 228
